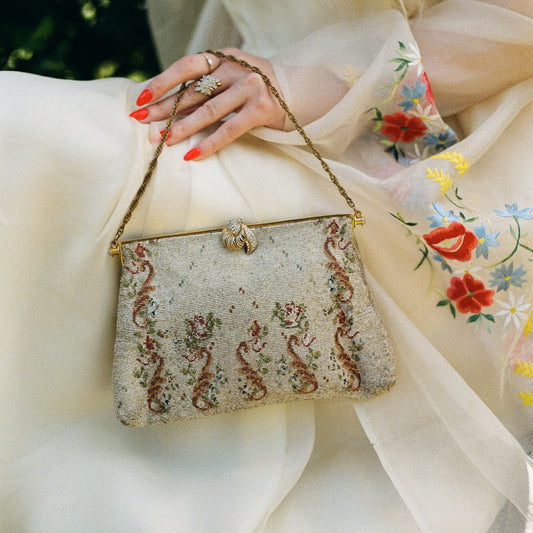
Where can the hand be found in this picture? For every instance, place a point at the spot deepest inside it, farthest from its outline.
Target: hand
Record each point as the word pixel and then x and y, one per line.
pixel 241 91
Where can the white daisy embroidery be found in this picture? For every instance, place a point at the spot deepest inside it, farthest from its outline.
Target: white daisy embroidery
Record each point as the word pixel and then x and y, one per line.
pixel 466 271
pixel 425 113
pixel 414 58
pixel 513 310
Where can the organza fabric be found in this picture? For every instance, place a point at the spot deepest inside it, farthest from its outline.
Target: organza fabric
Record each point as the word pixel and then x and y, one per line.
pixel 446 449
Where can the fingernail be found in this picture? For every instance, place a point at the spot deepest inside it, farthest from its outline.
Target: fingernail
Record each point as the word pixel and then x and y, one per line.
pixel 168 134
pixel 144 97
pixel 139 114
pixel 192 154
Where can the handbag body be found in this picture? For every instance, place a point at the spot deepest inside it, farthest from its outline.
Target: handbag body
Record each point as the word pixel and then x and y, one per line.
pixel 245 315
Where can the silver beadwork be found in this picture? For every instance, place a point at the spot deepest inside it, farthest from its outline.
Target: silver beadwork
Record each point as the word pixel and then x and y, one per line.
pixel 237 235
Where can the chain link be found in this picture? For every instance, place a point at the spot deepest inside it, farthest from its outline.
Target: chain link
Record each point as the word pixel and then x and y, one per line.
pixel 149 172
pixel 358 217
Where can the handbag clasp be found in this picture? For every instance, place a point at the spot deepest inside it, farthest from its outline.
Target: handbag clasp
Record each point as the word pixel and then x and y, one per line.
pixel 237 235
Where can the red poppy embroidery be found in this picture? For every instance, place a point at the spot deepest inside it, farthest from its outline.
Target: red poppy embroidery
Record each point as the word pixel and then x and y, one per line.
pixel 400 127
pixel 429 92
pixel 470 294
pixel 463 241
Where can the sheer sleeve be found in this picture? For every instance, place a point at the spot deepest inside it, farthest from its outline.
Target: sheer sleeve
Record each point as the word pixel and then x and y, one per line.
pixel 473 50
pixel 470 50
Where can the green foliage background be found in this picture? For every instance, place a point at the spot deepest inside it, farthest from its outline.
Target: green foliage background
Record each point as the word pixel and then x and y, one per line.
pixel 77 39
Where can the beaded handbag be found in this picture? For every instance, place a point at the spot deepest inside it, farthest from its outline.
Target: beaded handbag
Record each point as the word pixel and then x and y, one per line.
pixel 246 315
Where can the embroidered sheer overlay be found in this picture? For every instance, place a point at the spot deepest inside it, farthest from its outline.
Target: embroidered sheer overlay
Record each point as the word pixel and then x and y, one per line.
pixel 427 124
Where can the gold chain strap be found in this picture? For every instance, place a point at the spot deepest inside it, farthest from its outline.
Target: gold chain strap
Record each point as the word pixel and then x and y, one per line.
pixel 149 172
pixel 358 217
pixel 299 128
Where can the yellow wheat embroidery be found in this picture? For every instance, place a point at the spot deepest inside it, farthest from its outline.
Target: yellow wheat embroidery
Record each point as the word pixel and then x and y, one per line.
pixel 350 75
pixel 440 177
pixel 528 328
pixel 459 160
pixel 524 368
pixel 527 397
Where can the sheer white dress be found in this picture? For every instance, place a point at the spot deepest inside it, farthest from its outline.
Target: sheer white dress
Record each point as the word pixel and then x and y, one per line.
pixel 448 248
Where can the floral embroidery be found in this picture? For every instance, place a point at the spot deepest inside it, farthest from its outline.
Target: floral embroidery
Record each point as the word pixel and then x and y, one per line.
pixel 442 217
pixel 459 161
pixel 441 140
pixel 344 359
pixel 506 275
pixel 513 310
pixel 408 116
pixel 469 293
pixel 525 369
pixel 200 329
pixel 485 240
pixel 512 211
pixel 527 397
pixel 429 92
pixel 408 60
pixel 440 177
pixel 259 333
pixel 482 260
pixel 460 242
pixel 400 127
pixel 455 234
pixel 139 250
pixel 291 315
pixel 142 298
pixel 412 95
pixel 528 328
pixel 443 263
pixel 255 329
pixel 252 386
pixel 350 75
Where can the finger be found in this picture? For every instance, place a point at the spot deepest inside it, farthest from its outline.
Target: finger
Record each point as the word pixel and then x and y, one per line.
pixel 194 96
pixel 191 99
pixel 232 129
pixel 187 68
pixel 213 110
pixel 162 110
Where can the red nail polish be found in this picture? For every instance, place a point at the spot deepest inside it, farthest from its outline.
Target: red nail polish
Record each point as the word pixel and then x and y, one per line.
pixel 192 154
pixel 139 114
pixel 144 97
pixel 168 134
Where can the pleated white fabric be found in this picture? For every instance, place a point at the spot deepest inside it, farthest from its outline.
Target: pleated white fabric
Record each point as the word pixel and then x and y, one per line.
pixel 445 450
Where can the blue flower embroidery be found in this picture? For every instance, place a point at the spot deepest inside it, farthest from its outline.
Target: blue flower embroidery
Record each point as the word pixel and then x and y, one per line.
pixel 412 95
pixel 443 263
pixel 442 217
pixel 442 140
pixel 513 211
pixel 505 276
pixel 485 240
